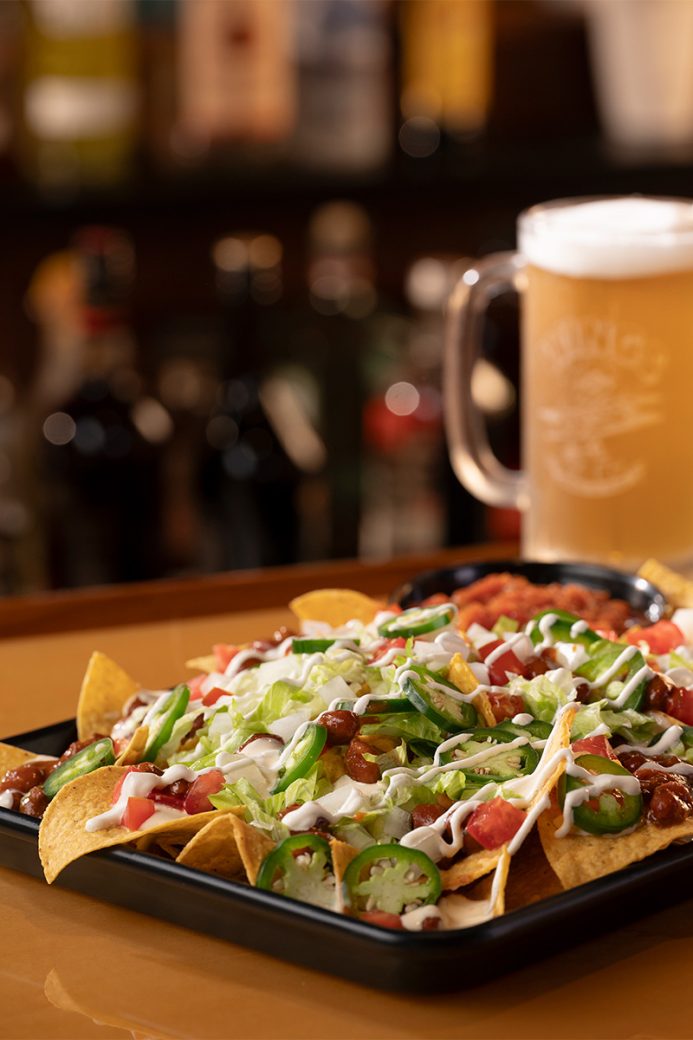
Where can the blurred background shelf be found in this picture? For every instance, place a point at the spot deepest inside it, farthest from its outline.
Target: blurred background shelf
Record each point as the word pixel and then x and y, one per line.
pixel 241 365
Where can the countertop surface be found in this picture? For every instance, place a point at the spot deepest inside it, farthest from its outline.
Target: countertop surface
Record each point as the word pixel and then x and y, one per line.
pixel 73 967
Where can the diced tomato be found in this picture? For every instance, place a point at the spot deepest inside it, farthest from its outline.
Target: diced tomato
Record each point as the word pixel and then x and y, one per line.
pixel 681 705
pixel 223 654
pixel 495 822
pixel 662 638
pixel 394 608
pixel 213 696
pixel 195 686
pixel 435 600
pixel 197 799
pixel 174 801
pixel 606 633
pixel 120 744
pixel 594 746
pixel 508 661
pixel 382 918
pixel 119 786
pixel 387 645
pixel 505 705
pixel 136 812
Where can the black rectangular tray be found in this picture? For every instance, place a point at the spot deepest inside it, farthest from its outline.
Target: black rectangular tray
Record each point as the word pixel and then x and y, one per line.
pixel 330 942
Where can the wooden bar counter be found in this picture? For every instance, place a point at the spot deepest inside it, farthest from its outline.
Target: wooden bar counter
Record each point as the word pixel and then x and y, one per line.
pixel 73 967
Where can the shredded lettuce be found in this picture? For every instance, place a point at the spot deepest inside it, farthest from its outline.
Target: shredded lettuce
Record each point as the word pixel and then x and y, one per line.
pixel 543 696
pixel 407 726
pixel 635 727
pixel 263 811
pixel 505 625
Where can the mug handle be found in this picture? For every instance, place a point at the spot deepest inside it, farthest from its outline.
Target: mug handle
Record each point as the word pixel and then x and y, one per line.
pixel 473 462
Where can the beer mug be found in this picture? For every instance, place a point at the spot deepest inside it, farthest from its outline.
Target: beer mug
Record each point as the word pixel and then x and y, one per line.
pixel 606 288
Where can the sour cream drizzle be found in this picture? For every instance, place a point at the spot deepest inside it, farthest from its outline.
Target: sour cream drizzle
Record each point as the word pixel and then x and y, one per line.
pixel 140 785
pixel 595 786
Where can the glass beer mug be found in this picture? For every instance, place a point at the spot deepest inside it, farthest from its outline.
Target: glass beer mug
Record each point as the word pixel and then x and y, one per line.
pixel 606 291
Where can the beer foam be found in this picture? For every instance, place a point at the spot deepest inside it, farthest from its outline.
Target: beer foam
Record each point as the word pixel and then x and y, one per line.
pixel 610 238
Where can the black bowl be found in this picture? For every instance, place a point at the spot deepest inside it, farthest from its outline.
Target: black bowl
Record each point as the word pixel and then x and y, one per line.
pixel 644 597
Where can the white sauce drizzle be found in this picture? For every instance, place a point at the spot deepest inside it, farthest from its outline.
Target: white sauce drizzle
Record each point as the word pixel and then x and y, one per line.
pixel 667 740
pixel 140 785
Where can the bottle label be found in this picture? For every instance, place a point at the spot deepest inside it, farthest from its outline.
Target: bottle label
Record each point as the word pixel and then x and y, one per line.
pixel 60 109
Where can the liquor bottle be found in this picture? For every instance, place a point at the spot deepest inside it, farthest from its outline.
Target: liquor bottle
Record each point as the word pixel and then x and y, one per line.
pixel 344 59
pixel 250 477
pixel 447 51
pixel 330 344
pixel 236 78
pixel 80 92
pixel 102 444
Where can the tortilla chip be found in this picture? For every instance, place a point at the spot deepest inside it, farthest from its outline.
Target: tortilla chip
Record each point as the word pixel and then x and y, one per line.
pixel 462 675
pixel 461 911
pixel 214 849
pixel 500 881
pixel 559 739
pixel 677 589
pixel 63 837
pixel 470 869
pixel 11 757
pixel 466 682
pixel 105 690
pixel 135 749
pixel 579 858
pixel 335 606
pixel 253 846
pixel 203 664
pixel 342 855
pixel 532 878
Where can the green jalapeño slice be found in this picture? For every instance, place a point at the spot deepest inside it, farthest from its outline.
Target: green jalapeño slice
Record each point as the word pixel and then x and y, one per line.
pixel 390 878
pixel 536 729
pixel 417 621
pixel 438 699
pixel 316 646
pixel 608 812
pixel 98 754
pixel 300 867
pixel 161 726
pixel 559 626
pixel 503 764
pixel 302 756
pixel 604 654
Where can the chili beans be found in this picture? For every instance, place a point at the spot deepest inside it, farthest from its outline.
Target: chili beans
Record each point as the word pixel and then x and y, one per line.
pixel 34 802
pixel 358 767
pixel 341 726
pixel 31 774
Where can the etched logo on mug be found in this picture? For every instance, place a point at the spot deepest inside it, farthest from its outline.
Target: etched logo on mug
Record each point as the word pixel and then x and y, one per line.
pixel 606 387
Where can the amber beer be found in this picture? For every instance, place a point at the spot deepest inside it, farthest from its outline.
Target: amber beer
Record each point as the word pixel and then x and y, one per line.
pixel 607 381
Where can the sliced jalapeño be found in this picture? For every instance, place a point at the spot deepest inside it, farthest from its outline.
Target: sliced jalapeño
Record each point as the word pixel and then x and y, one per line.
pixel 560 626
pixel 161 726
pixel 300 867
pixel 428 692
pixel 418 621
pixel 608 812
pixel 92 757
pixel 391 878
pixel 316 646
pixel 504 764
pixel 301 757
pixel 603 656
